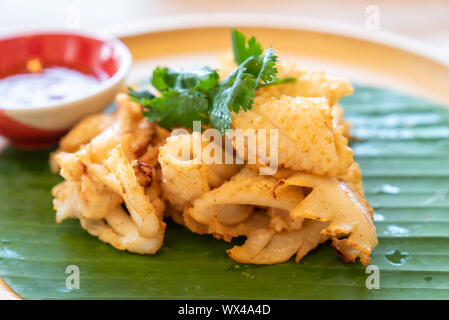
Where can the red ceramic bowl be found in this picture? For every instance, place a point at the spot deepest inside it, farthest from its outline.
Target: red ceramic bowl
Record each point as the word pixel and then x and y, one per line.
pixel 108 60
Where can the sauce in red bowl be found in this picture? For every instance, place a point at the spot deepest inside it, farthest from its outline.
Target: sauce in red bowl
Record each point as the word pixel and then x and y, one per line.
pixel 44 87
pixel 49 81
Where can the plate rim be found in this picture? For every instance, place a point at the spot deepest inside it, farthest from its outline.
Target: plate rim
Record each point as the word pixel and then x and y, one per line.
pixel 278 21
pixel 376 57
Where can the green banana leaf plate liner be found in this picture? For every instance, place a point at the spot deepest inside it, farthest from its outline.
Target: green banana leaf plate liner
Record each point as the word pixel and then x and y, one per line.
pixel 402 145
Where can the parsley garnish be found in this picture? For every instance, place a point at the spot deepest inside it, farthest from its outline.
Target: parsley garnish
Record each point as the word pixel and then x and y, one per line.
pixel 197 94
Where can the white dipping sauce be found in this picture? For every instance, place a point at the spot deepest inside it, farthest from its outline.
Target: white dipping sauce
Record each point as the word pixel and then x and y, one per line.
pixel 48 87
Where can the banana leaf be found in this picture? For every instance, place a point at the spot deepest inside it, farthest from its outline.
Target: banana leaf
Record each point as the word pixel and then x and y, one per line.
pixel 402 145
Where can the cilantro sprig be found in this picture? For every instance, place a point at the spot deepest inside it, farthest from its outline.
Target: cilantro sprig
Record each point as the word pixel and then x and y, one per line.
pixel 197 94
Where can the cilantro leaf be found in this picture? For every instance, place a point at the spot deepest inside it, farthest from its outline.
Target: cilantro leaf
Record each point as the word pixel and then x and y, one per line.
pixel 276 81
pixel 241 49
pixel 203 79
pixel 176 108
pixel 161 80
pixel 141 96
pixel 220 116
pixel 196 94
pixel 233 94
pixel 244 49
pixel 184 96
pixel 263 65
pixel 268 69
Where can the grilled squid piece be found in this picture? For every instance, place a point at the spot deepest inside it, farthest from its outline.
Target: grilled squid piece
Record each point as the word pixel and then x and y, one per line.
pixel 338 121
pixel 85 131
pixel 185 173
pixel 234 201
pixel 96 135
pixel 119 230
pixel 354 177
pixel 116 228
pixel 309 83
pixel 348 214
pixel 122 176
pixel 282 217
pixel 306 138
pixel 247 206
pixel 107 172
pixel 265 246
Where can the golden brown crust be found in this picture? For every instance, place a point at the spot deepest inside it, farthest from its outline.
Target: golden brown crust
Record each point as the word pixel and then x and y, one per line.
pixel 315 195
pixel 103 172
pixel 336 202
pixel 306 138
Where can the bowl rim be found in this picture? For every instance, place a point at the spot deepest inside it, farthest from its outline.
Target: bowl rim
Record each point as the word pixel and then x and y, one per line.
pixel 106 84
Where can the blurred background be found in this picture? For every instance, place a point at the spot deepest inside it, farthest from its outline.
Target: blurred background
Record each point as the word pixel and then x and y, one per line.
pixel 425 20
